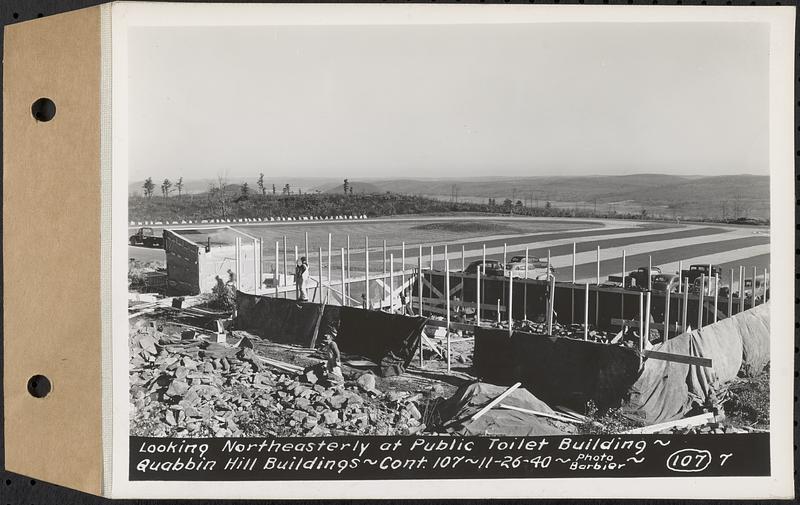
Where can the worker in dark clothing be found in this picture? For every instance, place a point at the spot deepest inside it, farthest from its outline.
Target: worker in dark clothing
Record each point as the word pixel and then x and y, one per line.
pixel 301 274
pixel 333 363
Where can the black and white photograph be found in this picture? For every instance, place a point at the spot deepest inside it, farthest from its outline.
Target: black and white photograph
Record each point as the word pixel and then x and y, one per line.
pixel 471 233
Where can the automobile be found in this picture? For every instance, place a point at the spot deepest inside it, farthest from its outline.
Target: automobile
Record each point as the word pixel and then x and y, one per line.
pixel 518 271
pixel 665 283
pixel 491 267
pixel 145 237
pixel 534 264
pixel 707 287
pixel 532 261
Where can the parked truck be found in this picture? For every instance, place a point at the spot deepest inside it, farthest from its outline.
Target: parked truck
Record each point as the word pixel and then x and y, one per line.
pixel 636 279
pixel 697 271
pixel 145 237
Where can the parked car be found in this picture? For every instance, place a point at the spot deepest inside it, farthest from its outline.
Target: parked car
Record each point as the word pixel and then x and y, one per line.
pixel 145 237
pixel 535 264
pixel 707 288
pixel 491 267
pixel 665 283
pixel 518 271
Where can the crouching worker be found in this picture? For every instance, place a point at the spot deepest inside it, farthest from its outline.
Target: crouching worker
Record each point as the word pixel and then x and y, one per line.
pixel 333 364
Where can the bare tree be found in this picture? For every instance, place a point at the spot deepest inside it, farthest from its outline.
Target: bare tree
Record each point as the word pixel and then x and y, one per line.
pixel 179 186
pixel 166 187
pixel 261 184
pixel 149 186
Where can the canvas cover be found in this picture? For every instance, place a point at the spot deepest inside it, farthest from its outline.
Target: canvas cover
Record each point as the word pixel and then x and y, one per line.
pixel 388 339
pixel 665 390
pixel 456 411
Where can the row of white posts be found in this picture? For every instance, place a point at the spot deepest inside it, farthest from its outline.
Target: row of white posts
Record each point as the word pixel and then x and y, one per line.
pixel 644 298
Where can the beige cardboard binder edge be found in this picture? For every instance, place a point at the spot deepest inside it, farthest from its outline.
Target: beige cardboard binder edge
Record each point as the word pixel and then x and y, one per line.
pixel 51 253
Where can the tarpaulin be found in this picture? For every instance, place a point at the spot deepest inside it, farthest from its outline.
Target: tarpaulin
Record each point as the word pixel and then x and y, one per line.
pixel 456 411
pixel 666 390
pixel 388 339
pixel 559 370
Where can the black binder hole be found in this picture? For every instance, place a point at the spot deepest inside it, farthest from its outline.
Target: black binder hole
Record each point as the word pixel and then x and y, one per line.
pixel 43 110
pixel 39 386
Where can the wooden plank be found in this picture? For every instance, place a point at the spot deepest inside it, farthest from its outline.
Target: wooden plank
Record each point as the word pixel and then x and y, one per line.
pixel 680 423
pixel 557 417
pixel 494 402
pixel 678 358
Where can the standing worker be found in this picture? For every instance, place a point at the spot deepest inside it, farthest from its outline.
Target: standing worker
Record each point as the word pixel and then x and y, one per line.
pixel 300 279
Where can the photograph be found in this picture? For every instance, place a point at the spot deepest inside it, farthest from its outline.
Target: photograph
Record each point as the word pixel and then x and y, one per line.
pixel 471 231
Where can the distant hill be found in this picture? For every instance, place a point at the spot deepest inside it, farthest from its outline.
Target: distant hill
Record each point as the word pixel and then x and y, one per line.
pixel 689 196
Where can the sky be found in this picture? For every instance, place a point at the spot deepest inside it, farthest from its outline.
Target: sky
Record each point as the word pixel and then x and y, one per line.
pixel 421 101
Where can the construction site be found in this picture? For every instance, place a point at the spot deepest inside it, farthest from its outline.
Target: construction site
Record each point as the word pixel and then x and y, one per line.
pixel 496 335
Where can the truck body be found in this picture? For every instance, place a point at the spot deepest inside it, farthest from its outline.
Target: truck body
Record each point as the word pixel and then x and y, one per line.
pixel 636 279
pixel 146 238
pixel 697 271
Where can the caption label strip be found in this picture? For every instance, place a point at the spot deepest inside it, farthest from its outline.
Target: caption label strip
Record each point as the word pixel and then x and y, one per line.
pixel 219 459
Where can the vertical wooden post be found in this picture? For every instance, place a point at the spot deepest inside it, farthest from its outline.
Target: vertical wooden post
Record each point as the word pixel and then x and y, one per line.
pixel 709 278
pixel 730 295
pixel 385 257
pixel 391 283
pixel 498 311
pixel 366 271
pixel 349 273
pixel 753 298
pixel 345 302
pixel 483 274
pixel 296 257
pixel 319 270
pixel 525 289
pixel 646 321
pixel 510 306
pixel 478 295
pixel 548 262
pixel 306 250
pixel 765 286
pixel 701 295
pixel 550 305
pixel 403 266
pixel 285 261
pixel 716 295
pixel 505 251
pixel 622 304
pixel 447 303
pixel 463 259
pixel 667 299
pixel 572 288
pixel 685 306
pixel 641 324
pixel 420 282
pixel 276 275
pixel 586 312
pixel 649 272
pixel 255 266
pixel 431 263
pixel 330 262
pixel 680 276
pixel 237 245
pixel 741 289
pixel 597 291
